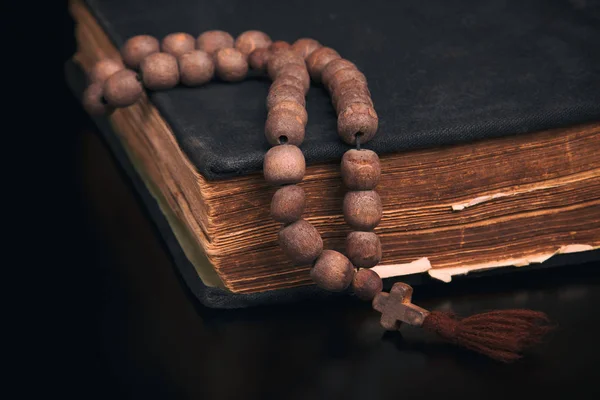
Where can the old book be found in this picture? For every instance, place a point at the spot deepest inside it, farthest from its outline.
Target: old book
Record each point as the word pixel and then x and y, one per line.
pixel 516 194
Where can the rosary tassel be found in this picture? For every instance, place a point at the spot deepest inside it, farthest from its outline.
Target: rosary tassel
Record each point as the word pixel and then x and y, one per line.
pixel 501 335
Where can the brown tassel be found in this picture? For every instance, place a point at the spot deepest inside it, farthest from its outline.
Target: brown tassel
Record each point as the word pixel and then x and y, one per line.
pixel 501 335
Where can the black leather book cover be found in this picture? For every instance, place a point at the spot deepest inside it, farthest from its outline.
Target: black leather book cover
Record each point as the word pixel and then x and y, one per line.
pixel 440 72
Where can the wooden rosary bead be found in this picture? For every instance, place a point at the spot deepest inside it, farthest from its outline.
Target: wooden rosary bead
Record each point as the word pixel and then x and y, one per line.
pixel 178 44
pixel 248 41
pixel 231 65
pixel 123 88
pixel 281 58
pixel 285 93
pixel 294 107
pixel 213 41
pixel 305 46
pixel 279 45
pixel 360 169
pixel 287 204
pixel 357 122
pixel 296 71
pixel 332 271
pixel 137 48
pixel 289 80
pixel 366 284
pixel 103 70
pixel 93 101
pixel 258 59
pixel 349 86
pixel 284 164
pixel 342 102
pixel 333 67
pixel 350 92
pixel 362 210
pixel 350 77
pixel 318 60
pixel 340 88
pixel 160 71
pixel 301 242
pixel 363 249
pixel 196 68
pixel 284 126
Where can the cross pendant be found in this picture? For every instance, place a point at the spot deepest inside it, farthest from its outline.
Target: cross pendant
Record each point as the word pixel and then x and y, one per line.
pixel 395 307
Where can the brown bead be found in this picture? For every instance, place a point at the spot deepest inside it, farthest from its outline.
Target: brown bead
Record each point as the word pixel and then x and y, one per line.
pixel 231 65
pixel 93 100
pixel 318 60
pixel 363 249
pixel 351 91
pixel 360 169
pixel 349 77
pixel 301 242
pixel 103 70
pixel 279 59
pixel 213 41
pixel 333 67
pixel 287 204
pixel 284 164
pixel 284 126
pixel 296 71
pixel 160 71
pixel 294 107
pixel 342 102
pixel 288 80
pixel 248 41
pixel 332 271
pixel 258 59
pixel 279 45
pixel 285 93
pixel 362 210
pixel 123 88
pixel 137 48
pixel 366 284
pixel 178 44
pixel 351 85
pixel 196 68
pixel 305 46
pixel 357 121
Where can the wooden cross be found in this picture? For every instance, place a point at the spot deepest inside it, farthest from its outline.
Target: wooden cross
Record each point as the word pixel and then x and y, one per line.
pixel 395 307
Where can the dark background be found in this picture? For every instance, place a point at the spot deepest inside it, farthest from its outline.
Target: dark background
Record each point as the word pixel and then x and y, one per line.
pixel 101 313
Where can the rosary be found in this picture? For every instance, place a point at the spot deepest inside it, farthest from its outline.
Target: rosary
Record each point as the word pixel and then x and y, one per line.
pixel 181 58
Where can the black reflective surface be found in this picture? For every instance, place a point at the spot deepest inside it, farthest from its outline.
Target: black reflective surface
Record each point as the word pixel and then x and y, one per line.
pixel 152 340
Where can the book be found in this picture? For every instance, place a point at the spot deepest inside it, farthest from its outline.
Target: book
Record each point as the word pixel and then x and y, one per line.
pixel 460 205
